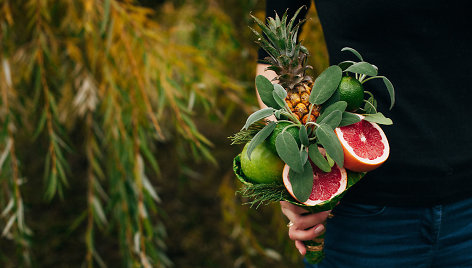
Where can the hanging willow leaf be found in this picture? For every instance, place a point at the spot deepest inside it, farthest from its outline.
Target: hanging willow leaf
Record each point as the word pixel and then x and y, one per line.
pixel 328 139
pixel 325 85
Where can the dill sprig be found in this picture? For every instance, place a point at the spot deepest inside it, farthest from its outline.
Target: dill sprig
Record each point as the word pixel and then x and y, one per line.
pixel 259 194
pixel 246 135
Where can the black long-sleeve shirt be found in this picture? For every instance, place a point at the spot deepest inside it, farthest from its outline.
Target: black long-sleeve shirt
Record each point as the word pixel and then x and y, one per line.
pixel 425 48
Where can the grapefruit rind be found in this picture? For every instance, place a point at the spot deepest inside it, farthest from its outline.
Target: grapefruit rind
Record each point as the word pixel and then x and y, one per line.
pixel 309 202
pixel 359 164
pixel 352 178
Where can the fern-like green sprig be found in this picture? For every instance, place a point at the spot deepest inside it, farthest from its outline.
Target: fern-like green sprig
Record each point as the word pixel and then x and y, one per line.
pixel 246 135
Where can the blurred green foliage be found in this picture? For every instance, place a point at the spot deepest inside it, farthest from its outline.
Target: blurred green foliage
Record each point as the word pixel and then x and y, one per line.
pixel 114 118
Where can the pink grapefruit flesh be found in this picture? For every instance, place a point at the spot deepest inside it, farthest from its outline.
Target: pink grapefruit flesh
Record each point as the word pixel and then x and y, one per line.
pixel 365 146
pixel 326 185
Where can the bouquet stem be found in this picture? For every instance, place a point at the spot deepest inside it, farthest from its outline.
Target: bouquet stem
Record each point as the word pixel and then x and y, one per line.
pixel 314 249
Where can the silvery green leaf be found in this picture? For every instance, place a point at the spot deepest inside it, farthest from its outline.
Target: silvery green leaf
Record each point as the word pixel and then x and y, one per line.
pixel 303 136
pixel 264 88
pixel 318 159
pixel 370 106
pixel 362 68
pixel 279 95
pixel 277 114
pixel 330 142
pixel 337 106
pixel 345 64
pixel 358 55
pixel 349 119
pixel 333 119
pixel 378 118
pixel 391 91
pixel 325 85
pixel 302 182
pixel 260 137
pixel 288 151
pixel 303 156
pixel 258 115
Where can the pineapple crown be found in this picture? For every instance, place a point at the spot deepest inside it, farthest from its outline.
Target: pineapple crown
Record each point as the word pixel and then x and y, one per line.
pixel 287 57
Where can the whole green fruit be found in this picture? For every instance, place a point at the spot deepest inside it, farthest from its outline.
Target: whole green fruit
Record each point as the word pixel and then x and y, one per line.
pixel 265 166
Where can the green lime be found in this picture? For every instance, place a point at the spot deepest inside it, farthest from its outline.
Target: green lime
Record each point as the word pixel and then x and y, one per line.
pixel 294 131
pixel 265 166
pixel 351 91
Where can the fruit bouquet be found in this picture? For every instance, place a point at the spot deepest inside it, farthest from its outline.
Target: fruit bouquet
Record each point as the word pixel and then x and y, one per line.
pixel 325 136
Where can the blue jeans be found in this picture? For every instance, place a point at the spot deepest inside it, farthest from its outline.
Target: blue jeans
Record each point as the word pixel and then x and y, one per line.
pixel 365 236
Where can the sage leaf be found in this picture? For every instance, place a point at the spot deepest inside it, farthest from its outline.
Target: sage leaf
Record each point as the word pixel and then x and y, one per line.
pixel 349 119
pixel 318 159
pixel 303 136
pixel 303 156
pixel 326 84
pixel 260 137
pixel 328 139
pixel 378 118
pixel 302 182
pixel 330 160
pixel 390 89
pixel 264 88
pixel 258 115
pixel 337 106
pixel 278 113
pixel 353 51
pixel 370 106
pixel 288 151
pixel 345 64
pixel 333 119
pixel 279 95
pixel 362 68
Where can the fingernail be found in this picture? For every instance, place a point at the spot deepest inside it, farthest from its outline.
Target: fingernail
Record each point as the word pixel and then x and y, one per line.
pixel 300 252
pixel 319 229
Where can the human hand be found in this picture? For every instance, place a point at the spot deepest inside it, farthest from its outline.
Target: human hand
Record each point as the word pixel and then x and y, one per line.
pixel 305 225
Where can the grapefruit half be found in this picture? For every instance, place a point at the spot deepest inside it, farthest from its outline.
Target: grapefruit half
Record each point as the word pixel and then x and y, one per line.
pixel 365 146
pixel 326 185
